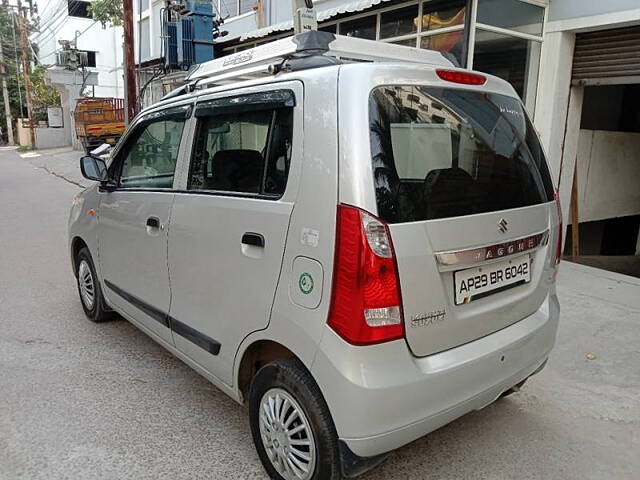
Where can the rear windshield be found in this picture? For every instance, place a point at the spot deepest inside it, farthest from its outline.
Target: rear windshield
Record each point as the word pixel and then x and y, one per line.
pixel 441 153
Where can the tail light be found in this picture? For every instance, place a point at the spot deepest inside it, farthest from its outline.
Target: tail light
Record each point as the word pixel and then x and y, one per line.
pixel 366 306
pixel 559 246
pixel 456 76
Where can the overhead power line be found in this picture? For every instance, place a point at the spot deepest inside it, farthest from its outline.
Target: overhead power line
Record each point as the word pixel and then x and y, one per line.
pixel 64 14
pixel 53 30
pixel 76 37
pixel 15 51
pixel 46 7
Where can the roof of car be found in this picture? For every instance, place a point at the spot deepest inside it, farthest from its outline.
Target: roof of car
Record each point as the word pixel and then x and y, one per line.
pixel 307 55
pixel 387 72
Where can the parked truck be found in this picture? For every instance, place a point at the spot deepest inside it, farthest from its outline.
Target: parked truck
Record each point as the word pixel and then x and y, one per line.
pixel 98 121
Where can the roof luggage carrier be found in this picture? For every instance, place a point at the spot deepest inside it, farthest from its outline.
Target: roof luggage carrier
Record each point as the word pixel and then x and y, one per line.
pixel 318 48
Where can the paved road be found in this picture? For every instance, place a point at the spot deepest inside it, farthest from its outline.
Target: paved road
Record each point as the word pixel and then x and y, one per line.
pixel 83 401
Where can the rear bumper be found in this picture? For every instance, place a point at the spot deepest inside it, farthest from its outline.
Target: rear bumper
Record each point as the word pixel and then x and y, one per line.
pixel 381 397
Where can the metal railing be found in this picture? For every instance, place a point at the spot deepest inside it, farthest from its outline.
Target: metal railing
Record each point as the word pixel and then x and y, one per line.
pixel 99 110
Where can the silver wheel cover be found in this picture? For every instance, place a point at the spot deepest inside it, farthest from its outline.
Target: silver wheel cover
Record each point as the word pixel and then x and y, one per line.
pixel 286 435
pixel 86 284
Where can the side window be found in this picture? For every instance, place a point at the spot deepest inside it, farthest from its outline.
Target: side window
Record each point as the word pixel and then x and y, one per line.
pixel 248 151
pixel 151 154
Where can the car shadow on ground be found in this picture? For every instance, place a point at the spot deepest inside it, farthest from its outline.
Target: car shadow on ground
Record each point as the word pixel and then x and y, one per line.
pixel 470 447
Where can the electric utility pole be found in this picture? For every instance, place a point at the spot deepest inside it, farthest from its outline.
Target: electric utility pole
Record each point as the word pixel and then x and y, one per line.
pixel 129 60
pixel 5 96
pixel 26 71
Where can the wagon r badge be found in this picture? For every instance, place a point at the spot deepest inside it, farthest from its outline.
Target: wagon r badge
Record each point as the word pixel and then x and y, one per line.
pixel 427 319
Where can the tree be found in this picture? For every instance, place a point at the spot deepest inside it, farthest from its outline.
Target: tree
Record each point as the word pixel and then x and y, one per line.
pixel 107 11
pixel 44 95
pixel 11 63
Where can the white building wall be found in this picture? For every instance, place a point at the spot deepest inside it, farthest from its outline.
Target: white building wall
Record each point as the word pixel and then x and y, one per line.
pixel 573 9
pixel 608 173
pixel 56 24
pixel 275 11
pixel 146 21
pixel 565 19
pixel 559 104
pixel 237 26
pixel 553 95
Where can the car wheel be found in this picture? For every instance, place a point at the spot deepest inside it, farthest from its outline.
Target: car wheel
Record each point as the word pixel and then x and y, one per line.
pixel 91 297
pixel 291 425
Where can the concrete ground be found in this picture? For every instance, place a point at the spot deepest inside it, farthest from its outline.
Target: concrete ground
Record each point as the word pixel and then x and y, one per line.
pixel 61 162
pixel 84 401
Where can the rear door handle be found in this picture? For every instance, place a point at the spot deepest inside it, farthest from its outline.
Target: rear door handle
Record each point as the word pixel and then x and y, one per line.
pixel 254 239
pixel 153 222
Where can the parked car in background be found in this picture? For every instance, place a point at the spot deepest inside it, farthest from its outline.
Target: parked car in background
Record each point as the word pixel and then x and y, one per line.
pixel 361 252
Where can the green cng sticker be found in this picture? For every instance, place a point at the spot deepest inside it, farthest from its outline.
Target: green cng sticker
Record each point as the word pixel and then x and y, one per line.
pixel 306 283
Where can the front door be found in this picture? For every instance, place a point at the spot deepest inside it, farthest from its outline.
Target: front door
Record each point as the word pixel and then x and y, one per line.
pixel 133 221
pixel 228 231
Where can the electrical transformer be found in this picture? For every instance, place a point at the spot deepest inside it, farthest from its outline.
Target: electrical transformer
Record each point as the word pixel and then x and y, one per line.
pixel 188 30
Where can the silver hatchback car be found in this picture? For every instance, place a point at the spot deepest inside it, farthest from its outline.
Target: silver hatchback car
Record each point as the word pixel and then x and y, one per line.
pixel 360 251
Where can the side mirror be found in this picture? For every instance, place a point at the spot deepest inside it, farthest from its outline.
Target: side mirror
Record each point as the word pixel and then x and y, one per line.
pixel 93 168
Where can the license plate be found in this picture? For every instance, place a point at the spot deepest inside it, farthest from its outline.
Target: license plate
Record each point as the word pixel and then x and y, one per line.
pixel 475 281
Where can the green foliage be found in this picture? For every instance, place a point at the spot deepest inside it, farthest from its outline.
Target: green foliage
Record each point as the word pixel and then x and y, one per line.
pixel 107 11
pixel 10 64
pixel 44 95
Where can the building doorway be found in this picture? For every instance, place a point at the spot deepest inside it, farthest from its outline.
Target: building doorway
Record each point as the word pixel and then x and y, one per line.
pixel 607 183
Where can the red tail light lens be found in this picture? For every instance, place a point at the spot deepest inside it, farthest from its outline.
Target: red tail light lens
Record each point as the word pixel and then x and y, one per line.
pixel 466 78
pixel 366 305
pixel 559 246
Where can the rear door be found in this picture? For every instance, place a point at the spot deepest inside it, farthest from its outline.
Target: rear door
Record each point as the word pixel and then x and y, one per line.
pixel 228 229
pixel 462 181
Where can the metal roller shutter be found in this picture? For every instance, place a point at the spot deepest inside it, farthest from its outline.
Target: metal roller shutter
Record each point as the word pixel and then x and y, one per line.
pixel 607 57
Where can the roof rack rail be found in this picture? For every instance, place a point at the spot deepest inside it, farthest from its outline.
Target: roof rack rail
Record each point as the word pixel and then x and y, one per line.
pixel 268 59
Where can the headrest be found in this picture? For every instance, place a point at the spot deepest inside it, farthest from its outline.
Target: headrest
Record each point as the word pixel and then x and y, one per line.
pixel 237 170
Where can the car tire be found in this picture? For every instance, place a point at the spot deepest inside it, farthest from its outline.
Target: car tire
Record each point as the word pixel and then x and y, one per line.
pixel 93 303
pixel 284 398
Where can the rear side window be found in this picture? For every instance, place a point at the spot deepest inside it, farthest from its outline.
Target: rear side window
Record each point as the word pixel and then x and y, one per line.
pixel 246 151
pixel 439 153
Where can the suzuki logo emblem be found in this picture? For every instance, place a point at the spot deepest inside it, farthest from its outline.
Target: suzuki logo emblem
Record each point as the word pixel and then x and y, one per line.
pixel 503 225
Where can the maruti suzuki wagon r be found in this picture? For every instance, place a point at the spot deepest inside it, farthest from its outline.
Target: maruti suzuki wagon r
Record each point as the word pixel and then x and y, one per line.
pixel 360 251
